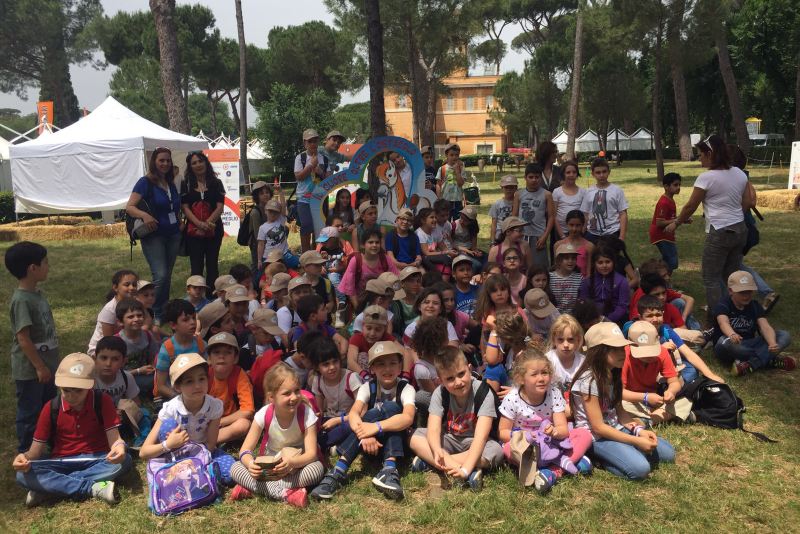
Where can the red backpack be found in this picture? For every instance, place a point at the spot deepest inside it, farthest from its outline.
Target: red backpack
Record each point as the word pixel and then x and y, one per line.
pixel 261 367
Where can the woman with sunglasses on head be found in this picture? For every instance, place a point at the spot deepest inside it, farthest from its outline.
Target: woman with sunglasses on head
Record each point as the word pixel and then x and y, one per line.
pixel 202 200
pixel 162 220
pixel 724 193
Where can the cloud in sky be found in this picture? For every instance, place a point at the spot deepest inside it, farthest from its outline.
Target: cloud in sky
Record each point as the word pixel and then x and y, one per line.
pixel 91 86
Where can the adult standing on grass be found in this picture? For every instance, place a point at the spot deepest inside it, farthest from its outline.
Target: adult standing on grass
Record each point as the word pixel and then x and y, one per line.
pixel 160 246
pixel 724 193
pixel 202 201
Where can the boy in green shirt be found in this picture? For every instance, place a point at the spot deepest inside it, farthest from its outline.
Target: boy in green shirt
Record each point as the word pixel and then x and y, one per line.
pixel 34 348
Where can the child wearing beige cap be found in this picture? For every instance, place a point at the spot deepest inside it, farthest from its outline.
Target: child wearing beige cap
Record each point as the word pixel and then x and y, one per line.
pixel 621 443
pixel 367 220
pixel 196 292
pixel 287 315
pixel 743 337
pixel 402 244
pixel 309 168
pixel 230 384
pixel 374 328
pixel 273 235
pixel 501 208
pixel 511 236
pixel 540 313
pixel 267 336
pixel 87 453
pixel 312 263
pixel 377 293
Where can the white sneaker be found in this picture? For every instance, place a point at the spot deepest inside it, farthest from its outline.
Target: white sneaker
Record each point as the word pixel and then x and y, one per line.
pixel 105 491
pixel 34 498
pixel 338 323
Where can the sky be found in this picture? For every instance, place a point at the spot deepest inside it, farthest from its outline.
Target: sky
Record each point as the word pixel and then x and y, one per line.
pixel 91 86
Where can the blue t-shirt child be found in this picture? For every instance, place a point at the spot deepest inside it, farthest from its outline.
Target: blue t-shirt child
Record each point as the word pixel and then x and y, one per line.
pixel 467 300
pixel 405 249
pixel 165 206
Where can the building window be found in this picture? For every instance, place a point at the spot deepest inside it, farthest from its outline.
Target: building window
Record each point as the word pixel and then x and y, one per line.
pixel 489 102
pixel 451 103
pixel 484 149
pixel 488 125
pixel 402 101
pixel 470 103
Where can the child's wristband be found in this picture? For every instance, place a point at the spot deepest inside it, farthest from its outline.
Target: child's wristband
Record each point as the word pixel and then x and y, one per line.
pixel 245 453
pixel 164 446
pixel 644 400
pixel 637 430
pixel 380 428
pixel 342 417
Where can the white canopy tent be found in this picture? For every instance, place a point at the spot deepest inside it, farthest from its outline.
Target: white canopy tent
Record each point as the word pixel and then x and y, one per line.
pixel 588 142
pixel 561 141
pixel 617 140
pixel 642 139
pixel 93 164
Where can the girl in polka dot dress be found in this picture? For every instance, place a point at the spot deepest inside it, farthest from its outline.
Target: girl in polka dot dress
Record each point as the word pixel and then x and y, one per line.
pixel 536 404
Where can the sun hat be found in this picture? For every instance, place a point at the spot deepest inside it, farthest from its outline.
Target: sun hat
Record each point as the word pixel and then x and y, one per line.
pixel 334 133
pixel 376 315
pixel 76 371
pixel 364 206
pixel 237 293
pixel 537 301
pixel 210 314
pixel 279 281
pixel 274 256
pixel 143 284
pixel 646 343
pixel 329 232
pixel 741 281
pixel 471 212
pixel 183 363
pixel 222 338
pixel 224 282
pixel 384 348
pixel 297 282
pixel 566 248
pixel 310 133
pixel 377 286
pixel 511 222
pixel 509 180
pixel 267 320
pixel 408 271
pixel 196 281
pixel 605 333
pixel 311 257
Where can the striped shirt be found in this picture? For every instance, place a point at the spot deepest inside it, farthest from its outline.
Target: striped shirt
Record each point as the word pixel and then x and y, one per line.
pixel 565 290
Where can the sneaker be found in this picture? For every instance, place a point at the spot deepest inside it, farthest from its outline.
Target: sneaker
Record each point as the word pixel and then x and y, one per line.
pixel 34 498
pixel 770 301
pixel 786 363
pixel 239 493
pixel 338 323
pixel 475 480
pixel 418 465
pixel 297 497
pixel 584 466
pixel 105 491
pixel 691 418
pixel 330 484
pixel 708 336
pixel 388 482
pixel 740 368
pixel 545 479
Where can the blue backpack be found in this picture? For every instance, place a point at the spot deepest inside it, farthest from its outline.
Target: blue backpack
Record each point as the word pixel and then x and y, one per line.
pixel 182 479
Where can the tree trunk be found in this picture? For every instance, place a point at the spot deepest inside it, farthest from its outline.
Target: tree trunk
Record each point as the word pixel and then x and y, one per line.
pixel 169 59
pixel 429 117
pixel 417 97
pixel 244 166
pixel 375 52
pixel 234 110
pixel 56 85
pixel 575 96
pixel 212 103
pixel 657 141
pixel 726 70
pixel 797 102
pixel 675 44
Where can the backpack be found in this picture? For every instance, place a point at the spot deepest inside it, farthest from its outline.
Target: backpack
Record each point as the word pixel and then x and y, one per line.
pixel 169 346
pixel 55 407
pixel 245 235
pixel 373 391
pixel 301 422
pixel 168 496
pixel 134 226
pixel 261 366
pixel 715 404
pixel 480 396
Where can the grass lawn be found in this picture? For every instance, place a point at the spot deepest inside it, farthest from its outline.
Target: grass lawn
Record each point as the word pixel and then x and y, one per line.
pixel 722 480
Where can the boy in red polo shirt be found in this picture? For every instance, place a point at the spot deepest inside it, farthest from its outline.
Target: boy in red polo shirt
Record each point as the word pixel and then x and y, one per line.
pixel 643 395
pixel 87 451
pixel 230 384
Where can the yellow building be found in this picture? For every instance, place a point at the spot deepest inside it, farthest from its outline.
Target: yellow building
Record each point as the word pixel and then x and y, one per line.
pixel 462 116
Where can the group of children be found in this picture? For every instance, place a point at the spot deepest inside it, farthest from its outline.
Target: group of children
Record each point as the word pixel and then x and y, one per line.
pixel 413 345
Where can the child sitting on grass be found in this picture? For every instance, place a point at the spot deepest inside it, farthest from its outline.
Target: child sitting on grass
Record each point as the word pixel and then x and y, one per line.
pixel 564 345
pixel 287 425
pixel 288 318
pixel 565 280
pixel 123 284
pixel 458 440
pixel 382 412
pixel 110 376
pixel 743 337
pixel 230 384
pixel 196 292
pixel 80 426
pixel 427 341
pixel 266 332
pixel 140 345
pixel 313 314
pixel 404 300
pixel 509 336
pixel 375 329
pixel 607 288
pixel 181 318
pixel 146 294
pixel 647 366
pixel 539 313
pixel 402 244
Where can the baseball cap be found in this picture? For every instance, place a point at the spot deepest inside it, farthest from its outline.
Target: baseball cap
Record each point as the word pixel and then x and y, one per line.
pixel 645 340
pixel 267 320
pixel 461 258
pixel 76 371
pixel 327 233
pixel 741 281
pixel 210 314
pixel 257 185
pixel 279 281
pixel 183 363
pixel 408 271
pixel 511 222
pixel 222 338
pixel 384 348
pixel 376 315
pixel 224 282
pixel 390 279
pixel 405 213
pixel 310 133
pixel 426 149
pixel 538 303
pixel 451 146
pixel 566 248
pixel 311 257
pixel 273 205
pixel 335 133
pixel 274 256
pixel 471 212
pixel 364 206
pixel 143 284
pixel 509 179
pixel 237 293
pixel 605 333
pixel 196 281
pixel 377 286
pixel 294 283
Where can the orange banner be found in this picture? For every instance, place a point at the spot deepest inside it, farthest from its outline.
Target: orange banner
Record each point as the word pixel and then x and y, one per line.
pixel 44 112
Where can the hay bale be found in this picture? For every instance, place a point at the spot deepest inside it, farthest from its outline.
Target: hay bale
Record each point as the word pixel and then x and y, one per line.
pixel 780 199
pixel 83 229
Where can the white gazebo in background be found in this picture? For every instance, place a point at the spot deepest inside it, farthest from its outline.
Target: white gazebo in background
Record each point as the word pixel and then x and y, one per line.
pixel 617 140
pixel 561 141
pixel 642 139
pixel 588 142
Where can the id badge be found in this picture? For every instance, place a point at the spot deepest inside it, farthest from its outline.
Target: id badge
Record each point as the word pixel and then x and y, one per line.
pixel 172 218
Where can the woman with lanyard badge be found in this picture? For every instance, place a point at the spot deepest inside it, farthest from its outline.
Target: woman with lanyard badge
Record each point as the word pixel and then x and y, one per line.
pixel 160 246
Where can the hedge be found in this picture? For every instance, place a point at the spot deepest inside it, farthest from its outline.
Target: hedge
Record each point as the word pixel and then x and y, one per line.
pixel 7 207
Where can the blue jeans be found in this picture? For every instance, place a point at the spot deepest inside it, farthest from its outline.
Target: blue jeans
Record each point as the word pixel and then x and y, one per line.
pixel 761 284
pixel 304 218
pixel 335 279
pixel 722 255
pixel 334 436
pixel 691 322
pixel 392 442
pixel 669 253
pixel 72 478
pixel 689 372
pixel 753 350
pixel 31 396
pixel 627 461
pixel 160 251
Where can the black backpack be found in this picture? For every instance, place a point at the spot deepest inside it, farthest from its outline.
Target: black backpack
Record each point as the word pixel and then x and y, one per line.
pixel 373 392
pixel 480 395
pixel 130 220
pixel 244 235
pixel 715 404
